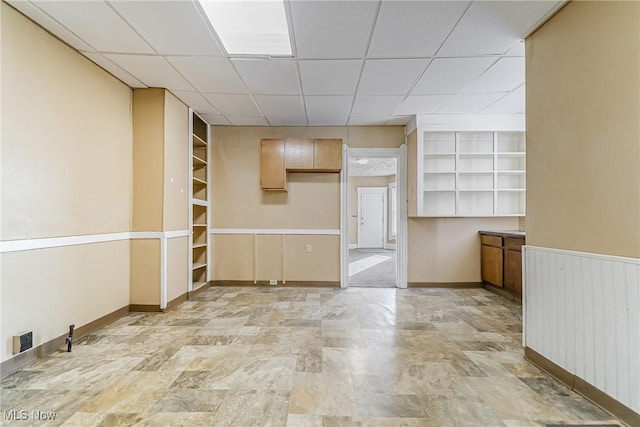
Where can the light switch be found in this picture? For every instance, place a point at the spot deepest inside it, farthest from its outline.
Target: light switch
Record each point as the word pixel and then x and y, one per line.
pixel 308 249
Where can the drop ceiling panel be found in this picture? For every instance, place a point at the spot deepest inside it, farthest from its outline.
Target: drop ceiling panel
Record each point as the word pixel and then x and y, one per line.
pixel 325 29
pixel 491 27
pixel 49 24
pixel 208 74
pixel 425 104
pixel 504 76
pixel 247 121
pixel 514 103
pixel 367 121
pixel 233 105
pixel 451 75
pixel 327 121
pixel 153 71
pixel 517 49
pixel 413 28
pixel 287 121
pixel 214 119
pixel 196 101
pixel 470 103
pixel 97 24
pixel 269 76
pixel 328 106
pixel 280 106
pixel 114 69
pixel 376 106
pixel 344 77
pixel 375 76
pixel 189 35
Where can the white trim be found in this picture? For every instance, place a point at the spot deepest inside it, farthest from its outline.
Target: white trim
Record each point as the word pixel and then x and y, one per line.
pixel 353 246
pixel 411 126
pixel 584 254
pixel 191 199
pixel 55 242
pixel 344 218
pixel 304 231
pixel 390 246
pixel 176 233
pixel 163 272
pixel 390 234
pixel 402 237
pixel 199 202
pixel 385 206
pixel 471 122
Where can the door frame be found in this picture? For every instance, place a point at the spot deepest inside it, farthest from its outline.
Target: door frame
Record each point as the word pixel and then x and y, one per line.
pixel 385 207
pixel 400 154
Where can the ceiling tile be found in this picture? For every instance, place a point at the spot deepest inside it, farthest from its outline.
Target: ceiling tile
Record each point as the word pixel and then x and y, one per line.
pixel 114 69
pixel 189 35
pixel 328 106
pixel 367 121
pixel 287 121
pixel 344 77
pixel 406 29
pixel 470 103
pixel 49 24
pixel 504 76
pixel 517 49
pixel 247 121
pixel 269 76
pixel 425 104
pixel 153 71
pixel 214 119
pixel 327 121
pixel 97 24
pixel 233 105
pixel 280 106
pixel 196 101
pixel 376 74
pixel 398 121
pixel 514 103
pixel 332 29
pixel 377 106
pixel 451 75
pixel 491 27
pixel 208 74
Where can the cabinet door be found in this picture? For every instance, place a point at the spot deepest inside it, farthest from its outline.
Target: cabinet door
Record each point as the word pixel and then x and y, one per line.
pixel 272 172
pixel 513 271
pixel 327 155
pixel 299 154
pixel 491 265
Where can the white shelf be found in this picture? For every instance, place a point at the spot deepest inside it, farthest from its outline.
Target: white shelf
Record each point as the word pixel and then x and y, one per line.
pixel 199 225
pixel 197 285
pixel 485 175
pixel 199 181
pixel 199 142
pixel 199 245
pixel 199 265
pixel 198 161
pixel 200 202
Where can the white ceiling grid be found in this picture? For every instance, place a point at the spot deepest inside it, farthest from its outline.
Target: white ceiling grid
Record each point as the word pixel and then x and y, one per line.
pixel 361 62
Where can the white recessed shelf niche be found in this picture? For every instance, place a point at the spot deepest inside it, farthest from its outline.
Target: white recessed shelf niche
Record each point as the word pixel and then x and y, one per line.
pixel 471 173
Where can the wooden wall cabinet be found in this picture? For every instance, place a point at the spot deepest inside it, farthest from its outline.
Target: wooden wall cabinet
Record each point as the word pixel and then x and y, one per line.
pixel 501 262
pixel 272 170
pixel 279 156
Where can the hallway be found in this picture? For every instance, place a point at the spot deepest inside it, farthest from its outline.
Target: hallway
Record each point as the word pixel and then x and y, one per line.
pixel 372 268
pixel 304 357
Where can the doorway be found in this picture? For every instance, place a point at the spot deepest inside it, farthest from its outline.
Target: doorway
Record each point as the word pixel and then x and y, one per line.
pixel 372 230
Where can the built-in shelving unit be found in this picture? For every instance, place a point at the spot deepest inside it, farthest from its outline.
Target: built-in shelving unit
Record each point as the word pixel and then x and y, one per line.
pixel 199 159
pixel 471 173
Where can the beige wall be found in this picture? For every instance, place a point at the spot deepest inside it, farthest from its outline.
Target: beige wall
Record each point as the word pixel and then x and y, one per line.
pixel 583 132
pixel 66 171
pixel 365 181
pixel 177 267
pixel 145 272
pixel 448 249
pixel 176 164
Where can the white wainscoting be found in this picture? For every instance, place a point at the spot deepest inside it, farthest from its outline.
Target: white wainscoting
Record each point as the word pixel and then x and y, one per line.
pixel 582 312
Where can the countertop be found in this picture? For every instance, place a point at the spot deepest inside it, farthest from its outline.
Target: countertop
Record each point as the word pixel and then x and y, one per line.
pixel 508 233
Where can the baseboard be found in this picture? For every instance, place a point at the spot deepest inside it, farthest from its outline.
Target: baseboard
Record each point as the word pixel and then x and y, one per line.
pixel 390 246
pixel 583 388
pixel 10 366
pixel 445 285
pixel 500 291
pixel 195 292
pixel 353 246
pixel 289 283
pixel 176 302
pixel 145 308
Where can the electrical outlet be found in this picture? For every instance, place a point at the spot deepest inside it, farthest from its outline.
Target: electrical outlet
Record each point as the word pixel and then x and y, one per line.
pixel 22 342
pixel 273 282
pixel 308 249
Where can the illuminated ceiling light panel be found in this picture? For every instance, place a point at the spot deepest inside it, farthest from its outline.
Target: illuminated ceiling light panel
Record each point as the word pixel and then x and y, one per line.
pixel 256 27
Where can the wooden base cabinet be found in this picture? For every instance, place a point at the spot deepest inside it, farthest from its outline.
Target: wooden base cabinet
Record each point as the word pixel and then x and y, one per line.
pixel 501 262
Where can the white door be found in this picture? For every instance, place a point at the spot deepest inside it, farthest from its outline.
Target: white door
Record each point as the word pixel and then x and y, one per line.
pixel 371 217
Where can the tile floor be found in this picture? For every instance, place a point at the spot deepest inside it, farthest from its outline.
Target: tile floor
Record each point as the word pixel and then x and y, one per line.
pixel 303 357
